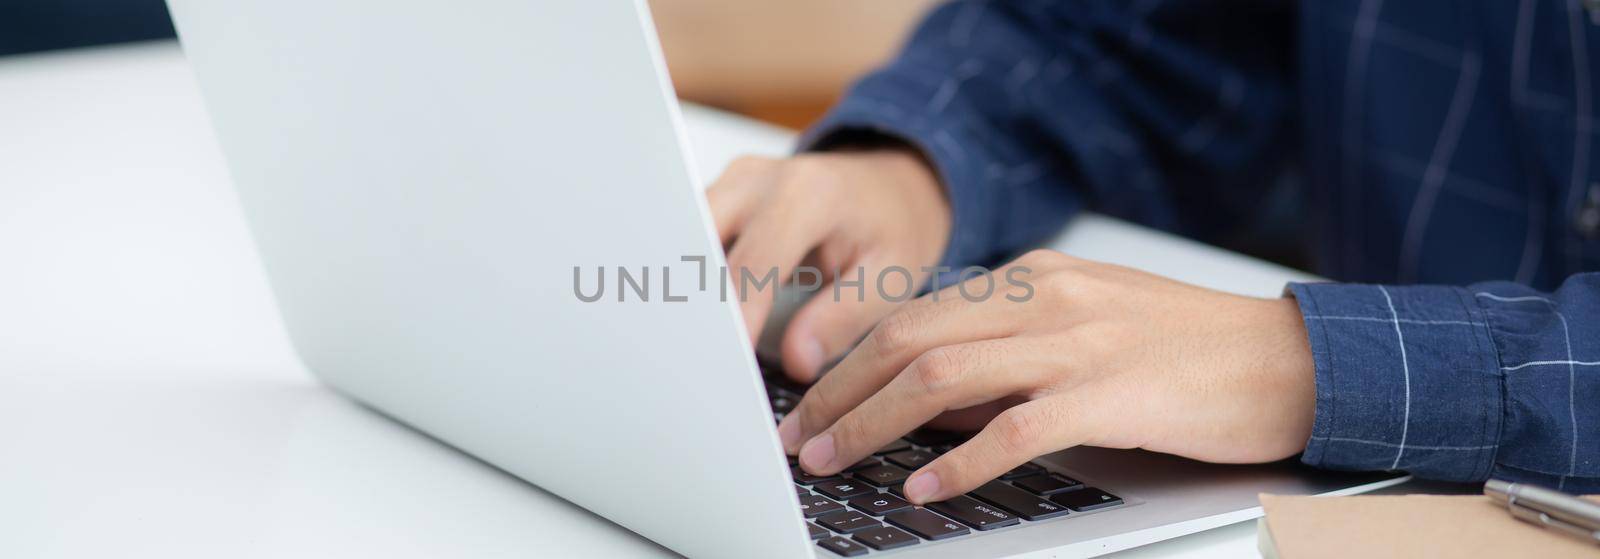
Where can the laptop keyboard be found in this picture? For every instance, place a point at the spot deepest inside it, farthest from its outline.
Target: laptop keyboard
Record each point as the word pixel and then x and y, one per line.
pixel 863 511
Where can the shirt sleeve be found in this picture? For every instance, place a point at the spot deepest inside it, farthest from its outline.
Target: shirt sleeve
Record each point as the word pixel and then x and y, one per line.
pixel 1030 110
pixel 1458 383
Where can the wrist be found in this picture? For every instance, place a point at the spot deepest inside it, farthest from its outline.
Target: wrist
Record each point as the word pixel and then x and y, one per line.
pixel 927 200
pixel 912 187
pixel 1292 374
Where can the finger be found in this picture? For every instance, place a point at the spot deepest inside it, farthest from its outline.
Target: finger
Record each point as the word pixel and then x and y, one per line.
pixel 1017 435
pixel 832 321
pixel 733 196
pixel 912 330
pixel 777 239
pixel 943 379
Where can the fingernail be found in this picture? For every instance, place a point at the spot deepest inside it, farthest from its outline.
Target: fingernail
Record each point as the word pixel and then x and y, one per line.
pixel 789 432
pixel 818 453
pixel 810 354
pixel 922 487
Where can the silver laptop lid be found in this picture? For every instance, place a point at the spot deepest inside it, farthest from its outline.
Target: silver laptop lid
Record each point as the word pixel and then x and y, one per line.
pixel 422 178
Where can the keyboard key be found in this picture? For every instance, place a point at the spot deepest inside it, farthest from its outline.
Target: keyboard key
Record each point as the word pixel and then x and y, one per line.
pixel 882 475
pixel 911 459
pixel 1048 484
pixel 843 489
pixel 778 385
pixel 974 513
pixel 943 448
pixel 879 504
pixel 896 446
pixel 867 462
pixel 800 490
pixel 934 437
pixel 803 478
pixel 1018 502
pixel 782 403
pixel 1088 498
pixel 885 537
pixel 926 524
pixel 817 532
pixel 813 506
pixel 843 546
pixel 1026 469
pixel 846 521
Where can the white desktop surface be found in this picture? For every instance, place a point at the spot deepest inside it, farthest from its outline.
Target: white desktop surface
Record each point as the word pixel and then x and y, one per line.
pixel 150 405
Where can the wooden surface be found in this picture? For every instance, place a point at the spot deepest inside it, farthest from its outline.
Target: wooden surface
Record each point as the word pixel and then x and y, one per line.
pixel 777 60
pixel 1465 526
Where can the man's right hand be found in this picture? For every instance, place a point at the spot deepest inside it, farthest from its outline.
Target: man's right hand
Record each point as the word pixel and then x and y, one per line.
pixel 841 212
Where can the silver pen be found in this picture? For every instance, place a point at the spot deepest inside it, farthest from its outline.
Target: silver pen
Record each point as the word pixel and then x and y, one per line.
pixel 1551 509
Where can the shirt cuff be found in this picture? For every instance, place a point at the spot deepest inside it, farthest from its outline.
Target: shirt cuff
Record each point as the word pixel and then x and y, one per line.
pixel 1407 377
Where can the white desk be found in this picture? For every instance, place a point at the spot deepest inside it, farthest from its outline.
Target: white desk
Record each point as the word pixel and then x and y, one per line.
pixel 150 404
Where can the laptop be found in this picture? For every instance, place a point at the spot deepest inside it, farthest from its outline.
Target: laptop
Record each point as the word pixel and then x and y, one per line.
pixel 428 182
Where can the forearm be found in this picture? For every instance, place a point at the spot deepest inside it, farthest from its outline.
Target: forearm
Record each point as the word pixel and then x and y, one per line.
pixel 1030 110
pixel 1457 383
pixel 937 97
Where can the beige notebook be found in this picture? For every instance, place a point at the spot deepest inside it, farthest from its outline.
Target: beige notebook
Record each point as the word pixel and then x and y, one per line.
pixel 1406 526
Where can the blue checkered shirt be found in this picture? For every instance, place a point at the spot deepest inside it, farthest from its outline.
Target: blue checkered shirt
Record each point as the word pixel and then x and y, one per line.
pixel 1446 151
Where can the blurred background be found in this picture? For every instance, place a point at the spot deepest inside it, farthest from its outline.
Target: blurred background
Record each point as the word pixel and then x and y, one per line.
pixel 781 61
